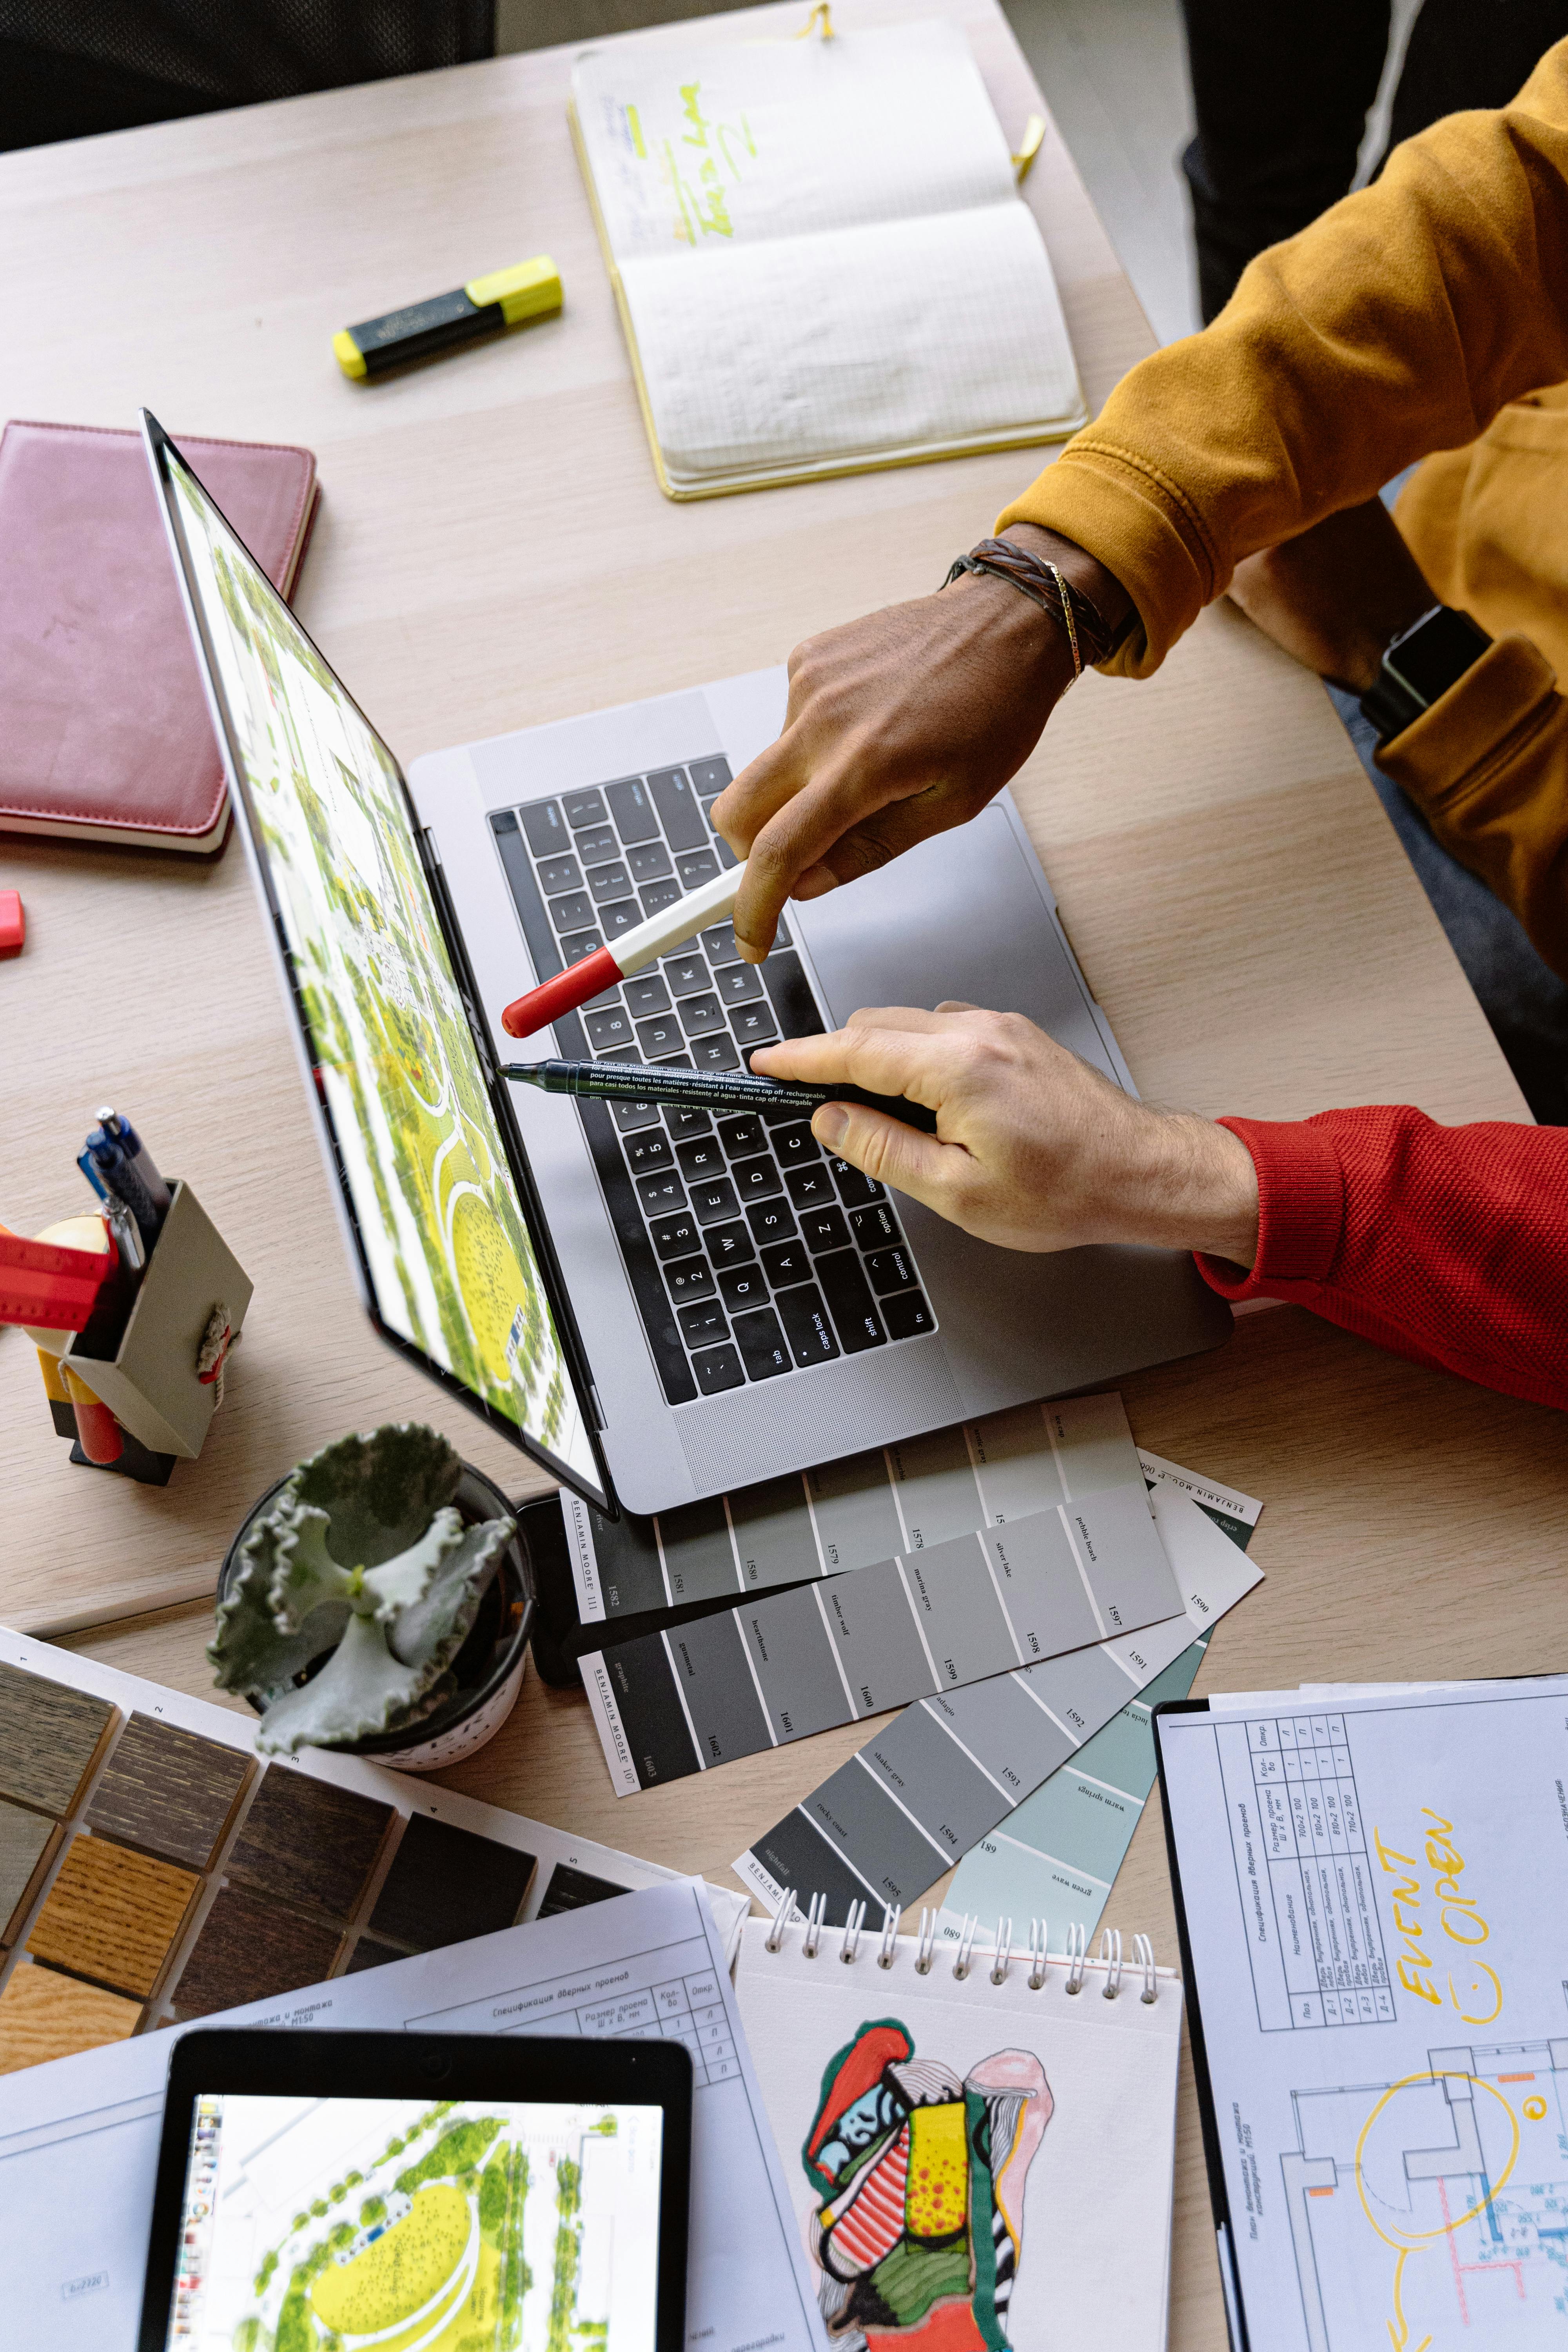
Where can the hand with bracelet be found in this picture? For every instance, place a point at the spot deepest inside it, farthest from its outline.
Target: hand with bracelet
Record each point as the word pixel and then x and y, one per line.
pixel 910 720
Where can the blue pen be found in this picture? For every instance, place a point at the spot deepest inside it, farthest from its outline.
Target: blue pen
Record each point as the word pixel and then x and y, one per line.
pixel 119 1176
pixel 140 1159
pixel 84 1161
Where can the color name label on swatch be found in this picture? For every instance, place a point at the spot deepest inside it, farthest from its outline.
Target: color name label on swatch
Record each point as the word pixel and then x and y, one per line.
pixel 849 1513
pixel 943 1775
pixel 790 1664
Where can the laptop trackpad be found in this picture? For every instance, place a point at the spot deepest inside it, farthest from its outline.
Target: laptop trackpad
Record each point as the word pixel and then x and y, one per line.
pixel 961 916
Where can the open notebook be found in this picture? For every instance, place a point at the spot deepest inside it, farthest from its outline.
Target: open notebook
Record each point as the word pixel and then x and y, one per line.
pixel 977 2159
pixel 820 254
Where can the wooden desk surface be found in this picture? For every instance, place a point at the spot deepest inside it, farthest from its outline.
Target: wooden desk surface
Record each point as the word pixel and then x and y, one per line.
pixel 493 551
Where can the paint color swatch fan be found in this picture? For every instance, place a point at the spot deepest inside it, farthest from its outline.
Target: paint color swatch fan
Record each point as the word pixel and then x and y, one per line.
pixel 980 2144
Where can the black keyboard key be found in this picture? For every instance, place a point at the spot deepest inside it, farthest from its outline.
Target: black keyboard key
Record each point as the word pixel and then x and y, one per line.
pixel 795 1145
pixel 709 776
pixel 714 1200
pixel 608 882
pixel 786 1261
pixel 824 1229
pixel 743 1287
pixel 676 1236
pixel 633 812
pixel 578 944
pixel 874 1228
pixel 789 992
pixel 656 897
pixel 770 1221
pixel 702 1324
pixel 718 1369
pixel 763 1345
pixel 687 971
pixel 607 1030
pixel 630 1115
pixel 571 912
pixel 702 1158
pixel 650 864
pixel 891 1269
pixel 741 1135
pixel 546 828
pixel 810 1188
pixel 756 1179
pixel 908 1315
pixel 724 853
pixel 720 943
pixel 582 808
pixel 714 1052
pixel 854 1190
pixel 625 915
pixel 682 1121
pixel 660 1035
pixel 685 826
pixel 855 1318
pixel 646 992
pixel 754 1025
pixel 699 1015
pixel 688 1278
pixel 660 1193
pixel 695 866
pixel 648 1150
pixel 806 1326
pixel 739 983
pixel 560 874
pixel 729 1246
pixel 594 846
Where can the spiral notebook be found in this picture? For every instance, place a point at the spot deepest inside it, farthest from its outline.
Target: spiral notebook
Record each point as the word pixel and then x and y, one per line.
pixel 977 2159
pixel 820 255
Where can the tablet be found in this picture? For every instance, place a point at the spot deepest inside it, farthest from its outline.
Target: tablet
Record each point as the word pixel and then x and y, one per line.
pixel 322 2192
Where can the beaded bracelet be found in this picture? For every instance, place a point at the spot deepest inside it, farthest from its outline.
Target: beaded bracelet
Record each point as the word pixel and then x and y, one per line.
pixel 1045 586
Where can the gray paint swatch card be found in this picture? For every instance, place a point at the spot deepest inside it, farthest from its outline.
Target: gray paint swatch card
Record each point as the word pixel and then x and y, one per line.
pixel 943 1773
pixel 849 1513
pixel 789 1664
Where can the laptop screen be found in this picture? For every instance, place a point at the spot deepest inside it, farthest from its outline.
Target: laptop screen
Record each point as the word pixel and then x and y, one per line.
pixel 445 1247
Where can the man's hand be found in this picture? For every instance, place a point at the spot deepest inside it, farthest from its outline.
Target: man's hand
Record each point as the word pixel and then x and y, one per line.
pixel 1335 596
pixel 899 726
pixel 1033 1151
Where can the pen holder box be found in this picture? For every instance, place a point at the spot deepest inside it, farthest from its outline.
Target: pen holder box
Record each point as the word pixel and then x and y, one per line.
pixel 150 1383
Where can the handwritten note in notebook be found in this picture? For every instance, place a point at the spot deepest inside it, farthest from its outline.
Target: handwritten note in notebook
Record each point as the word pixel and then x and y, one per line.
pixel 821 257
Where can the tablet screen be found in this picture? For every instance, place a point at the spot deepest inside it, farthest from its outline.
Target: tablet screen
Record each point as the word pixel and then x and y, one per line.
pixel 332 2224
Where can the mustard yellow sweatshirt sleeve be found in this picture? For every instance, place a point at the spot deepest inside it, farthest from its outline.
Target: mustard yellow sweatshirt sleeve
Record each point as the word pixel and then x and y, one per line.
pixel 1397 324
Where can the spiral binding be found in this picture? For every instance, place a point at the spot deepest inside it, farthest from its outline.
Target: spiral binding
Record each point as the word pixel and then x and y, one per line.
pixel 1001 1954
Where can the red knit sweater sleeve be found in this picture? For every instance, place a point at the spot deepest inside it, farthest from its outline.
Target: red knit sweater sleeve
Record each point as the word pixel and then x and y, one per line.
pixel 1448 1244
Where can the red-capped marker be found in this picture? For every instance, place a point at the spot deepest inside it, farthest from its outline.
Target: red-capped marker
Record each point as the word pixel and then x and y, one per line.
pixel 671 928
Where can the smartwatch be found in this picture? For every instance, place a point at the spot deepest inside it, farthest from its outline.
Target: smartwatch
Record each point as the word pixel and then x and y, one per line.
pixel 1420 664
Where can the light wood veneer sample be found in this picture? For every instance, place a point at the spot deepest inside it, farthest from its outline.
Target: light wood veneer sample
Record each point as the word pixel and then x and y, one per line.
pixel 168 1791
pixel 49 1739
pixel 112 1915
pixel 27 1843
pixel 43 2015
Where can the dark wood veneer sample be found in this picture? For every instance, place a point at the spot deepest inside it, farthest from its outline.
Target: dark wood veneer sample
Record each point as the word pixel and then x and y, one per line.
pixel 309 1842
pixel 250 1948
pixel 574 1890
pixel 367 1954
pixel 49 1739
pixel 446 1883
pixel 168 1792
pixel 27 1843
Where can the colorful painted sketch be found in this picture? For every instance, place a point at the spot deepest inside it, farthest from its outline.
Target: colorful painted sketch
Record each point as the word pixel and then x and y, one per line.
pixel 436 1209
pixel 921 2175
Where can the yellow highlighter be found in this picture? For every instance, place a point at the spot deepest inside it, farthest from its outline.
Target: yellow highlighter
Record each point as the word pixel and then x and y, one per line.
pixel 485 306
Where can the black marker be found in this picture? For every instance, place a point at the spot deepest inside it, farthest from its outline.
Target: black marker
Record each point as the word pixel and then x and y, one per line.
pixel 705 1090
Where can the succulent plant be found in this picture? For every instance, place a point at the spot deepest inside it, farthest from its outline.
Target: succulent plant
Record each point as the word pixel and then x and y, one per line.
pixel 362 1553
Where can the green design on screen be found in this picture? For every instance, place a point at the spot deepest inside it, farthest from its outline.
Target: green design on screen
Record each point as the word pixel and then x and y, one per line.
pixel 450 1258
pixel 918 2231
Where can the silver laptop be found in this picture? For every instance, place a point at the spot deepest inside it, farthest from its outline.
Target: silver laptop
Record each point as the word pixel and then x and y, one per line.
pixel 656 1304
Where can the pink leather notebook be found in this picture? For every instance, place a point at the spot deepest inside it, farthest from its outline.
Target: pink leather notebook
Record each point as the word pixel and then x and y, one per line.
pixel 105 733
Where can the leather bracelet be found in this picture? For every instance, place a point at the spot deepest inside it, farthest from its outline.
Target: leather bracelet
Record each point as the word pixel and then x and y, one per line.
pixel 1045 584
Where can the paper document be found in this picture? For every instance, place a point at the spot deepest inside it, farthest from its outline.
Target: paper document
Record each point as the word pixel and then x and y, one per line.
pixel 79 2140
pixel 1374 1891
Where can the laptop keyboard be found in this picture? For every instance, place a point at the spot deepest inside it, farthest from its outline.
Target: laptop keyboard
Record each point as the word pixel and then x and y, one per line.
pixel 752 1254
